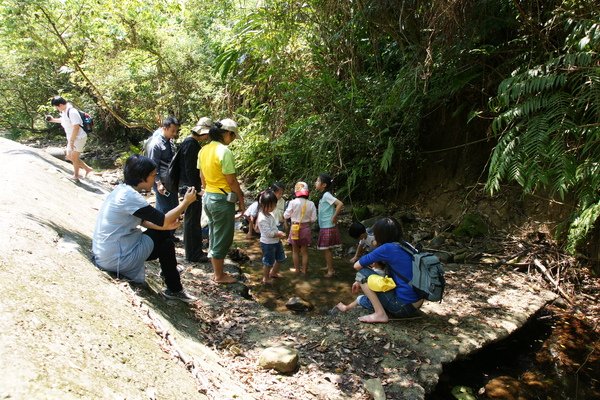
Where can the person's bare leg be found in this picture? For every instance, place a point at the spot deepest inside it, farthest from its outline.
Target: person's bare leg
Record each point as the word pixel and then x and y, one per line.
pixel 73 156
pixel 219 275
pixel 275 271
pixel 266 280
pixel 250 229
pixel 296 257
pixel 379 316
pixel 86 167
pixel 304 251
pixel 329 262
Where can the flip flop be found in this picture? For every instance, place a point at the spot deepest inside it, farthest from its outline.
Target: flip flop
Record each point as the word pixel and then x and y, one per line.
pixel 276 276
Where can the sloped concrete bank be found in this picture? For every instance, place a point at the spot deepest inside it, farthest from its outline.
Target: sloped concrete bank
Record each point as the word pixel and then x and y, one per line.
pixel 71 332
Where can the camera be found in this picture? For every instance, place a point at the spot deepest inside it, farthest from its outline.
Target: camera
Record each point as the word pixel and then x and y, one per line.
pixel 48 118
pixel 183 190
pixel 232 197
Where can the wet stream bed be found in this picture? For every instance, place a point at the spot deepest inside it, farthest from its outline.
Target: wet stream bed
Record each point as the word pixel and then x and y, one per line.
pixel 556 355
pixel 322 293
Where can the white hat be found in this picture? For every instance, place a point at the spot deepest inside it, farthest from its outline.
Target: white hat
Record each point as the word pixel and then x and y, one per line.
pixel 301 189
pixel 203 126
pixel 230 125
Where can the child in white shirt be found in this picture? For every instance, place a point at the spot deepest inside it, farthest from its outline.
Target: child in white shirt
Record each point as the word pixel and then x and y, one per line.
pixel 270 237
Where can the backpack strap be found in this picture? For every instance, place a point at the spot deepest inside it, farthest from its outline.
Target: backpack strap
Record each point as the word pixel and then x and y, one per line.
pixel 73 108
pixel 411 252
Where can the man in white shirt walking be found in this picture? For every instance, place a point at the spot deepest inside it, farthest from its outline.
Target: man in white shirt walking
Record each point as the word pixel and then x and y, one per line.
pixel 76 136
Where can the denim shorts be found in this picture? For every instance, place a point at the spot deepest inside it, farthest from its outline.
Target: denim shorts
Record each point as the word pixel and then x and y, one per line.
pixel 272 252
pixel 393 307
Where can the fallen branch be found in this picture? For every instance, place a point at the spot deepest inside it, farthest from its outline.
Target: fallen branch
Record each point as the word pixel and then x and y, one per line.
pixel 544 271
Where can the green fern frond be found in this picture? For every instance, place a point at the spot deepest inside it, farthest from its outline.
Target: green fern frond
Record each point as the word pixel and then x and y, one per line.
pixel 387 156
pixel 582 225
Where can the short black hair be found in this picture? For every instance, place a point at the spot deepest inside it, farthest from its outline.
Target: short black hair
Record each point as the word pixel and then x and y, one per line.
pixel 170 120
pixel 56 100
pixel 267 199
pixel 277 186
pixel 137 169
pixel 356 229
pixel 388 230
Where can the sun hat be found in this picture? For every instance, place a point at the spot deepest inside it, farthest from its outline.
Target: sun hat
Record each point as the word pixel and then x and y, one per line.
pixel 380 284
pixel 203 126
pixel 230 125
pixel 301 189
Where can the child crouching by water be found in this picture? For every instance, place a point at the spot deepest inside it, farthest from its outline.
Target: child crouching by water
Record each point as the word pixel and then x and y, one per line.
pixel 270 237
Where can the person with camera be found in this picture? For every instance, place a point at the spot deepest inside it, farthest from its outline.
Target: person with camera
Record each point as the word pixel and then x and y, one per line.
pixel 76 136
pixel 118 243
pixel 189 176
pixel 221 192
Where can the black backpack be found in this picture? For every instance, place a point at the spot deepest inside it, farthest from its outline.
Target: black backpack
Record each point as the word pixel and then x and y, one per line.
pixel 170 178
pixel 88 121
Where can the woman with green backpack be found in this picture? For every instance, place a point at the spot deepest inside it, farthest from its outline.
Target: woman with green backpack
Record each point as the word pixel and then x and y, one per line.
pixel 399 302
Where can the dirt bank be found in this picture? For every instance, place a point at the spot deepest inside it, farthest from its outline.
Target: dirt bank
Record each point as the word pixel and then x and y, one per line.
pixel 70 331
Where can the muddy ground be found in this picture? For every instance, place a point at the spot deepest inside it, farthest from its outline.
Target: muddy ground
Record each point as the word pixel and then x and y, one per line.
pixel 71 331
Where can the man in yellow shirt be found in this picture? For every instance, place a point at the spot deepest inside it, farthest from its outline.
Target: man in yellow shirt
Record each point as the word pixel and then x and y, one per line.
pixel 221 191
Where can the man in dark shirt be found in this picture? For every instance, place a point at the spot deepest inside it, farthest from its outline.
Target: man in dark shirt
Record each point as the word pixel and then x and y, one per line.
pixel 190 176
pixel 162 150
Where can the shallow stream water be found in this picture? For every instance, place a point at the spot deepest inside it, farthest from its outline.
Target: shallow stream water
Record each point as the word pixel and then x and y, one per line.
pixel 323 293
pixel 548 358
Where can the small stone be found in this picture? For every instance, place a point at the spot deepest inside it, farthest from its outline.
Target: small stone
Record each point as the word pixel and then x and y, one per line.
pixel 375 388
pixel 298 304
pixel 281 358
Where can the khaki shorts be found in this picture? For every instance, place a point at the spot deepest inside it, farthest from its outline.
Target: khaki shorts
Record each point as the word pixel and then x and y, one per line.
pixel 78 145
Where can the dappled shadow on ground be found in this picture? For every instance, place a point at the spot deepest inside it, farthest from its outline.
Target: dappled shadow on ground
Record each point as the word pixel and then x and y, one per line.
pixel 68 240
pixel 337 352
pixel 88 184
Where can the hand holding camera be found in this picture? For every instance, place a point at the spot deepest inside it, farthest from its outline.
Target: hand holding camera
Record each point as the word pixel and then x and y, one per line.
pixel 190 195
pixel 48 118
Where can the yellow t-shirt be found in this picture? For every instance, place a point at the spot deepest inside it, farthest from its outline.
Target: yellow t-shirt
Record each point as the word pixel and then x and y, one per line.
pixel 215 161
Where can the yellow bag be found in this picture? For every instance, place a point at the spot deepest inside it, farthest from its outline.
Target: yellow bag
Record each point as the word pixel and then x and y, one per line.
pixel 295 228
pixel 378 283
pixel 295 231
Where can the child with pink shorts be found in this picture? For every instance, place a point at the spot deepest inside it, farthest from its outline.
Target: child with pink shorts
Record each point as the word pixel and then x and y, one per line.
pixel 329 209
pixel 303 213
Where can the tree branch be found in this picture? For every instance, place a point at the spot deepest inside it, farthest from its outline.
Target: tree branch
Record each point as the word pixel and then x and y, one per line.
pixel 84 75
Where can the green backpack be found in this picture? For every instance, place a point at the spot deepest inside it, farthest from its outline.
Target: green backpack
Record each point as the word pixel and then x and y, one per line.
pixel 427 274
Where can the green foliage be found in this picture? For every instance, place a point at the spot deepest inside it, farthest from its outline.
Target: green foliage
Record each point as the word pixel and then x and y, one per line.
pixel 349 88
pixel 472 225
pixel 547 123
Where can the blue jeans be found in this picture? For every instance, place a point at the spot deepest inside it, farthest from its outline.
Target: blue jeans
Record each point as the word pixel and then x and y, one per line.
pixel 164 204
pixel 391 304
pixel 272 252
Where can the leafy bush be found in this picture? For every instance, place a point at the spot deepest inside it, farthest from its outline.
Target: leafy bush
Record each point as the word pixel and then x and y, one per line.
pixel 547 125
